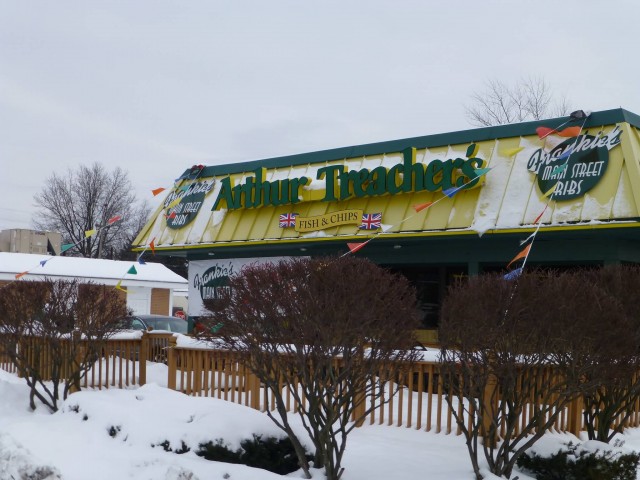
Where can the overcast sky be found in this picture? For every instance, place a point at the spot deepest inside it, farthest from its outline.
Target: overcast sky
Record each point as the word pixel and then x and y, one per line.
pixel 157 86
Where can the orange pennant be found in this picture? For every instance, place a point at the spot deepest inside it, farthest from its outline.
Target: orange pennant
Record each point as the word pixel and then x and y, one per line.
pixel 20 275
pixel 421 206
pixel 157 191
pixel 114 219
pixel 152 245
pixel 568 132
pixel 523 253
pixel 354 247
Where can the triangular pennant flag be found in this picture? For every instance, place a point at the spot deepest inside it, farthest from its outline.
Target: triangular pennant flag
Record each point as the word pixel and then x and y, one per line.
pixel 141 260
pixel 171 215
pixel 114 219
pixel 570 132
pixel 89 233
pixel 152 245
pixel 43 262
pixel 549 192
pixel 66 247
pixel 21 274
pixel 174 203
pixel 558 169
pixel 535 222
pixel 119 286
pixel 528 238
pixel 421 206
pixel 354 247
pixel 157 191
pixel 450 192
pixel 513 274
pixel 523 253
pixel 512 151
pixel 566 154
pixel 132 270
pixel 481 171
pixel 544 132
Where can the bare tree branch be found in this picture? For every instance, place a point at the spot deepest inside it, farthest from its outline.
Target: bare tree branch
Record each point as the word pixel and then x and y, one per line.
pixel 84 199
pixel 500 104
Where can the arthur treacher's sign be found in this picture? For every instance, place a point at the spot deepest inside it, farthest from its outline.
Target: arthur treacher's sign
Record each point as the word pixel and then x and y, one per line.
pixel 208 279
pixel 576 165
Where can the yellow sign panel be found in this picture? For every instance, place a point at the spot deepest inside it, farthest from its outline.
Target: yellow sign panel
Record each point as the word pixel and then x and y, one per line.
pixel 333 219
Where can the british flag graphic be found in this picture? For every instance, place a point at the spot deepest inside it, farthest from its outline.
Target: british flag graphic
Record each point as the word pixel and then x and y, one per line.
pixel 371 221
pixel 288 220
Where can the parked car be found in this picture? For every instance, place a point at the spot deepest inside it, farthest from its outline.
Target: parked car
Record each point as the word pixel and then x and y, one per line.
pixel 155 322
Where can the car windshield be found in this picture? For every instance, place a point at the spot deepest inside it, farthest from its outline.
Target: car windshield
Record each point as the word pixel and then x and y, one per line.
pixel 171 324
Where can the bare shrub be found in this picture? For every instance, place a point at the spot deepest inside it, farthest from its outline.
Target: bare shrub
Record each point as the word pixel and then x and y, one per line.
pixel 327 331
pixel 528 346
pixel 53 332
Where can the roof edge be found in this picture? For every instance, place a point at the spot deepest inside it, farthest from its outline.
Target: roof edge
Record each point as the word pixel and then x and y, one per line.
pixel 604 117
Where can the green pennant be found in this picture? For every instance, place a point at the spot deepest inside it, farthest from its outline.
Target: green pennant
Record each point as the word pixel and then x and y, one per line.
pixel 66 247
pixel 133 270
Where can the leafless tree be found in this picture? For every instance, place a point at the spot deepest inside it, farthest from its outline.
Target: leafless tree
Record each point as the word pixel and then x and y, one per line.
pixel 53 332
pixel 329 331
pixel 87 199
pixel 519 353
pixel 499 103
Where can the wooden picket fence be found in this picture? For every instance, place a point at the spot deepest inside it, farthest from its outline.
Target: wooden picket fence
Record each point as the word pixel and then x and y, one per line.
pixel 121 362
pixel 419 401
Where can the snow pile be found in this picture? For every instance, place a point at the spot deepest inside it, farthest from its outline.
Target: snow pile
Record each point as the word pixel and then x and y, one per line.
pixel 16 462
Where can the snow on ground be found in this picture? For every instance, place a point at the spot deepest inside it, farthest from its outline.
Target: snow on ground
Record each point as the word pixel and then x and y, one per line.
pixel 109 434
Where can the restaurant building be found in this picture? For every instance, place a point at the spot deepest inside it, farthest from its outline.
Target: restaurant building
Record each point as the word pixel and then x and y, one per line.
pixel 435 208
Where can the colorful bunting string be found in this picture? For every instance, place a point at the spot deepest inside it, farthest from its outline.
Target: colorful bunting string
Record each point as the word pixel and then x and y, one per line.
pixel 132 270
pixel 448 193
pixel 90 233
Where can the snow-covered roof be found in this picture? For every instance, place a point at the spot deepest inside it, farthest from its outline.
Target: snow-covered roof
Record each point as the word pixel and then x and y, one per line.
pixel 573 180
pixel 106 272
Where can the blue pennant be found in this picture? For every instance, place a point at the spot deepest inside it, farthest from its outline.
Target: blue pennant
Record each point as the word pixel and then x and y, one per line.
pixel 450 192
pixel 513 274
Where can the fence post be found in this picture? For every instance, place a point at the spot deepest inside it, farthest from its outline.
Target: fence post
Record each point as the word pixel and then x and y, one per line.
pixel 489 407
pixel 575 415
pixel 142 358
pixel 172 363
pixel 72 367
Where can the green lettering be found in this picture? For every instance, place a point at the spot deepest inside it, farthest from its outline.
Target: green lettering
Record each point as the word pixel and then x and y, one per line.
pixel 392 178
pixel 331 181
pixel 433 175
pixel 224 195
pixel 377 181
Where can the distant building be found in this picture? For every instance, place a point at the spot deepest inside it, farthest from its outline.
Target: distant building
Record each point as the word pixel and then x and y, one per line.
pixel 149 290
pixel 21 240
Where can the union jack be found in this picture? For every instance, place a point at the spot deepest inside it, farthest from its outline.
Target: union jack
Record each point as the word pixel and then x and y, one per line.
pixel 371 221
pixel 288 220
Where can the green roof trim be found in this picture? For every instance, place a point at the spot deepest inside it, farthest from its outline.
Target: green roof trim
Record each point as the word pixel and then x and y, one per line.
pixel 605 117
